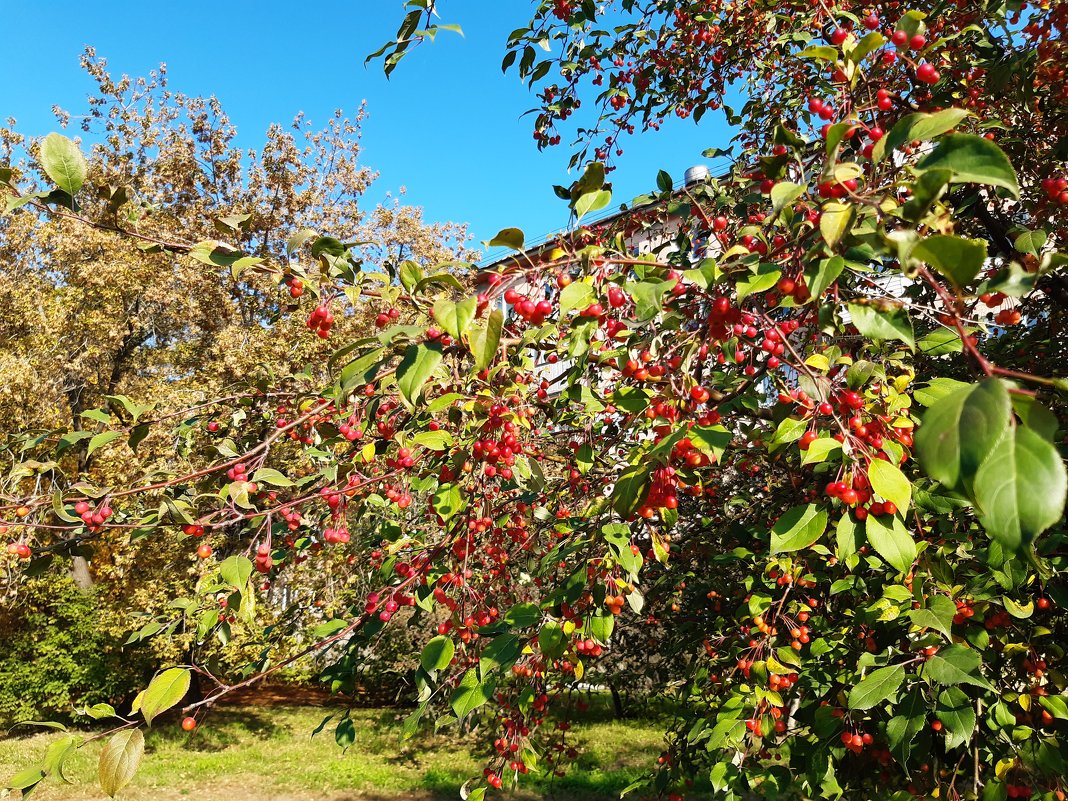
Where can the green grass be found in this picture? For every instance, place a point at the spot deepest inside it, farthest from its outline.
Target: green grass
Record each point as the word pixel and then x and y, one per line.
pixel 246 753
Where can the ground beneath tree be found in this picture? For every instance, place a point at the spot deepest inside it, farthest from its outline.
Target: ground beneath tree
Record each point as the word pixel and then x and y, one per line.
pixel 265 751
pixel 281 695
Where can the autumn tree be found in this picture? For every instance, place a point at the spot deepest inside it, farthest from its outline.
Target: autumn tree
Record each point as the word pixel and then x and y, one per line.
pixel 109 312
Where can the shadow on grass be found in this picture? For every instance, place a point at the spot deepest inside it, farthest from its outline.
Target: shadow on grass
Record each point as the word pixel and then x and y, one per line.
pixel 230 727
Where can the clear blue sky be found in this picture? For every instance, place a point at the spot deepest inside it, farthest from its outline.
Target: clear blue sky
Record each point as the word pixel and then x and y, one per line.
pixel 446 125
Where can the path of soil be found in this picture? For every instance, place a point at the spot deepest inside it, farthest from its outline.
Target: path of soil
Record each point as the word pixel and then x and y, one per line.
pixel 280 695
pixel 277 694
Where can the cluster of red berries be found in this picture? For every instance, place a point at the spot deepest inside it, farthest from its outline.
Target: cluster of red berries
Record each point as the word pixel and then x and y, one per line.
pixel 1008 317
pixel 562 9
pixel 351 430
pixel 238 473
pixel 388 607
pixel 296 286
pixel 686 454
pixel 855 741
pixel 533 312
pixel 320 321
pixel 336 535
pixel 1056 189
pixel 385 318
pixel 19 549
pixel 93 518
pixel 263 561
pixel 662 493
pixel 587 647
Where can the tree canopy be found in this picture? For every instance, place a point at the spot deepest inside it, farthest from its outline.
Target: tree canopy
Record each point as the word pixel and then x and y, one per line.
pixel 810 449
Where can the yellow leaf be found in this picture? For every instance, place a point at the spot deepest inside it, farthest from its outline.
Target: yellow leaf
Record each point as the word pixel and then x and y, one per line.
pixel 819 361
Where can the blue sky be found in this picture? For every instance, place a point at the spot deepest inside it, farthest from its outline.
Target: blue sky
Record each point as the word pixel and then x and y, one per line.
pixel 446 125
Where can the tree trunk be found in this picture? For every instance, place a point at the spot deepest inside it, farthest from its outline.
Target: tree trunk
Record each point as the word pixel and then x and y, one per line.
pixel 617 701
pixel 79 572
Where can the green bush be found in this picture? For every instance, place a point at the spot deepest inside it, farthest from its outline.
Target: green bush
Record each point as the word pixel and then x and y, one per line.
pixel 55 654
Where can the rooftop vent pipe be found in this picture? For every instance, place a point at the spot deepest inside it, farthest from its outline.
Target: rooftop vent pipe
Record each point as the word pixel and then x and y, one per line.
pixel 696 174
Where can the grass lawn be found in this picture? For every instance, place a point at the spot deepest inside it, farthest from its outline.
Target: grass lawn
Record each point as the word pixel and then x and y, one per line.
pixel 266 753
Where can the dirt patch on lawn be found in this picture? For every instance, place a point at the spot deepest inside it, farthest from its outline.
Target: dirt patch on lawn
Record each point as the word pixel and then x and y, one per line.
pixel 277 694
pixel 281 695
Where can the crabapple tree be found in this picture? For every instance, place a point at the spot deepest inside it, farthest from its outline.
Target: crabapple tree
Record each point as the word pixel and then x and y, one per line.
pixel 810 449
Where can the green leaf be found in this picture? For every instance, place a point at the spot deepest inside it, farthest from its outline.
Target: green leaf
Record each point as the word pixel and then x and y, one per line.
pixel 875 688
pixel 784 193
pixel 960 431
pixel 236 571
pixel 26 780
pixel 827 273
pixel 1019 611
pixel 917 126
pixel 437 654
pixel 937 615
pixel 415 369
pixel 630 489
pixel 866 46
pixel 72 438
pixel 926 189
pixel 576 295
pixel 957 258
pixel 765 277
pixel 448 501
pixel 1020 488
pixel 345 733
pixel 835 220
pixel 485 340
pixel 119 760
pixel 268 475
pixel 936 389
pixel 820 52
pixel 648 297
pixel 470 694
pixel 1056 705
pixel 455 318
pixel 328 245
pixel 522 615
pixel 410 275
pixel 798 528
pixel 64 163
pixel 891 483
pixel 1035 416
pixel 551 640
pixel 891 541
pixel 214 253
pixel 957 713
pixel 1031 241
pixel 433 440
pixel 501 650
pixel 882 325
pixel 360 371
pixel 592 201
pixel 57 754
pixel 508 238
pixel 294 242
pixel 909 720
pixel 600 626
pixel 957 664
pixel 972 159
pixel 329 628
pixel 940 342
pixel 164 691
